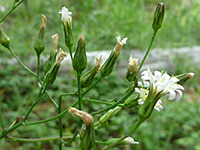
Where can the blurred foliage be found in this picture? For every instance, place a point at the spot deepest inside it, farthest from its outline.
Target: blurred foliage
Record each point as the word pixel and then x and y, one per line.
pixel 101 20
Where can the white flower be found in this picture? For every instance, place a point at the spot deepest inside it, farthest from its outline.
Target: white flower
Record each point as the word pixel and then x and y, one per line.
pixel 65 14
pixel 162 82
pixel 130 140
pixel 143 95
pixel 61 56
pixel 121 42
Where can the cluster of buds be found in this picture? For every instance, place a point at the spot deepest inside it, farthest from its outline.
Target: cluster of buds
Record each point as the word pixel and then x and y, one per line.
pixel 4 39
pixel 39 43
pixel 108 66
pixel 88 77
pixel 52 73
pixel 87 130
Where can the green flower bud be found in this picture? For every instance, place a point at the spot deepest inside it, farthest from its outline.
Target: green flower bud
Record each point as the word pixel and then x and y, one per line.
pixel 50 76
pixel 4 39
pixel 80 58
pixel 184 77
pixel 158 16
pixel 126 141
pixel 67 23
pixel 132 69
pixel 52 57
pixel 108 66
pixel 107 116
pixel 132 101
pixel 39 43
pixel 87 135
pixel 88 77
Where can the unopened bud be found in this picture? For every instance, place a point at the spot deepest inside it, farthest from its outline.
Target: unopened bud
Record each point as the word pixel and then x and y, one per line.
pixel 132 101
pixel 67 23
pixel 184 77
pixel 132 69
pixel 126 141
pixel 51 75
pixel 39 43
pixel 107 116
pixel 88 77
pixel 52 57
pixel 80 58
pixel 158 16
pixel 4 39
pixel 108 66
pixel 87 130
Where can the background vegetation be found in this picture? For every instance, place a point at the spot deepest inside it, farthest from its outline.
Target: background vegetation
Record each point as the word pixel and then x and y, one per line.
pixel 175 128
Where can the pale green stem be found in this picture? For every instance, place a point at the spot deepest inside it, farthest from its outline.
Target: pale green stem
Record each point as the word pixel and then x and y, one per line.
pixel 11 10
pixel 38 66
pixel 148 50
pixel 60 121
pixel 1 117
pixel 79 90
pixel 97 81
pixel 138 123
pixel 36 140
pixel 115 104
pixel 50 119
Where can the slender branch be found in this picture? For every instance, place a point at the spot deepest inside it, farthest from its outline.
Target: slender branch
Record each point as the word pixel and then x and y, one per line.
pixel 38 66
pixel 60 121
pixel 1 117
pixel 98 101
pixel 36 140
pixel 115 104
pixel 50 119
pixel 52 100
pixel 21 63
pixel 97 81
pixel 79 90
pixel 148 50
pixel 10 11
pixel 138 123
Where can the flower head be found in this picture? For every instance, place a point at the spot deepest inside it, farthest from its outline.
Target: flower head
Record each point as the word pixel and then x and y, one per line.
pixel 163 82
pixel 65 14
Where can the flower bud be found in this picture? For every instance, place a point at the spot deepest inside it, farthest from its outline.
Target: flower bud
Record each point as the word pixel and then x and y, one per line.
pixel 132 69
pixel 80 58
pixel 107 116
pixel 67 23
pixel 126 141
pixel 87 135
pixel 108 66
pixel 52 57
pixel 158 16
pixel 88 77
pixel 4 39
pixel 132 101
pixel 184 77
pixel 50 76
pixel 39 43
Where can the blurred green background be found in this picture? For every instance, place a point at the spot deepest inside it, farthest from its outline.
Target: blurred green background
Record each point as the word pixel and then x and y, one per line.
pixel 174 128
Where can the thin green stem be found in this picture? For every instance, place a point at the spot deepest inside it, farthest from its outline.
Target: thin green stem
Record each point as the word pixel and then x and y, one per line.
pixel 97 81
pixel 52 100
pixel 38 66
pixel 21 63
pixel 99 101
pixel 60 121
pixel 138 123
pixel 10 11
pixel 148 50
pixel 115 104
pixel 79 90
pixel 50 119
pixel 36 140
pixel 72 139
pixel 1 117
